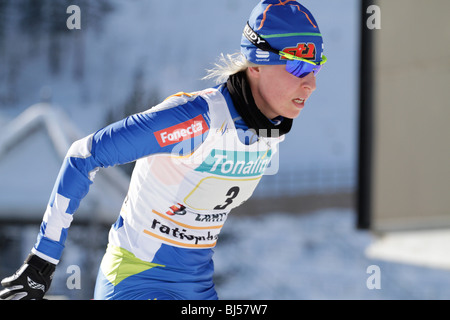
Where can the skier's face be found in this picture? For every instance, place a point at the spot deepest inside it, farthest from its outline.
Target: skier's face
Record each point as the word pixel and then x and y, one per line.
pixel 279 93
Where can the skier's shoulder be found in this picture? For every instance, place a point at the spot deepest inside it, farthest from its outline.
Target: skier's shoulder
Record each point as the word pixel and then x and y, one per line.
pixel 185 106
pixel 180 100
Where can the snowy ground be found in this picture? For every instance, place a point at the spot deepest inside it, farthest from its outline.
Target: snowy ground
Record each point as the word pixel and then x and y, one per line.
pixel 314 256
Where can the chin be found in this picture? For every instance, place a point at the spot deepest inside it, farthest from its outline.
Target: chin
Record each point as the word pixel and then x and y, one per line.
pixel 293 115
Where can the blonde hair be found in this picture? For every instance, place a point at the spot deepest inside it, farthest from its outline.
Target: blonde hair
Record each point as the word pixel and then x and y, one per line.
pixel 226 66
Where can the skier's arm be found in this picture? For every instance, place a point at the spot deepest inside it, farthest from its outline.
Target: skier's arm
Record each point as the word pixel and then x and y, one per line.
pixel 122 142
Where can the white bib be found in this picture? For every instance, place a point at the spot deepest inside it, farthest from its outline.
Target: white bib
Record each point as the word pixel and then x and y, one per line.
pixel 185 200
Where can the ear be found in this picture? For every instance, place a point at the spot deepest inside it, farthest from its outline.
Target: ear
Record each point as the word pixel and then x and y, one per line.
pixel 253 72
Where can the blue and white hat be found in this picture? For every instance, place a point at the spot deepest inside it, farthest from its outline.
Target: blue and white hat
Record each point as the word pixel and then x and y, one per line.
pixel 287 26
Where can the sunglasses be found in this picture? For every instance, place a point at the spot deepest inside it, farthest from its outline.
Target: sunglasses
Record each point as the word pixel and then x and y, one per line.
pixel 297 66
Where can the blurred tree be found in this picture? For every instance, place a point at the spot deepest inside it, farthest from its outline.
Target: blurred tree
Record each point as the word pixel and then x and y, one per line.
pixel 37 28
pixel 57 29
pixel 139 99
pixel 4 19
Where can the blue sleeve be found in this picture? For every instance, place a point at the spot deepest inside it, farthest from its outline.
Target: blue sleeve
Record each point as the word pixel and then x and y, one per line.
pixel 180 121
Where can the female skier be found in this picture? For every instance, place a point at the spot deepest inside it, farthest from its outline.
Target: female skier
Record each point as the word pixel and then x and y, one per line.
pixel 198 155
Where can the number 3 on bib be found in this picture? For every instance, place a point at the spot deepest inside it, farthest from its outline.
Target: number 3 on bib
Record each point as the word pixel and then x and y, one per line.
pixel 217 193
pixel 232 193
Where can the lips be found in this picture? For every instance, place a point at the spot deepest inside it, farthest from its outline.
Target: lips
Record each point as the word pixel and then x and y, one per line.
pixel 299 102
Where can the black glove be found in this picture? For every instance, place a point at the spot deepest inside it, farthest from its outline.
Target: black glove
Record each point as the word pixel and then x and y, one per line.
pixel 30 282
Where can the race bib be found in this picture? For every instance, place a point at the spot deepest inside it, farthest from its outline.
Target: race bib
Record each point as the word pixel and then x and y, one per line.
pixel 220 193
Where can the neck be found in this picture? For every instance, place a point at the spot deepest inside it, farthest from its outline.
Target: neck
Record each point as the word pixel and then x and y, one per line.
pixel 259 101
pixel 246 105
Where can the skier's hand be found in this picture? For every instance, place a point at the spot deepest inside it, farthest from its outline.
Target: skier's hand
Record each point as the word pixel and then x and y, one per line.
pixel 30 282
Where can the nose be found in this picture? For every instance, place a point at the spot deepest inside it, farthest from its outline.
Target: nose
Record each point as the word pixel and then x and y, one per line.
pixel 309 82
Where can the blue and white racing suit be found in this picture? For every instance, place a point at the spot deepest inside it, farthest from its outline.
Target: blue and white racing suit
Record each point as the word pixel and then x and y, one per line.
pixel 192 168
